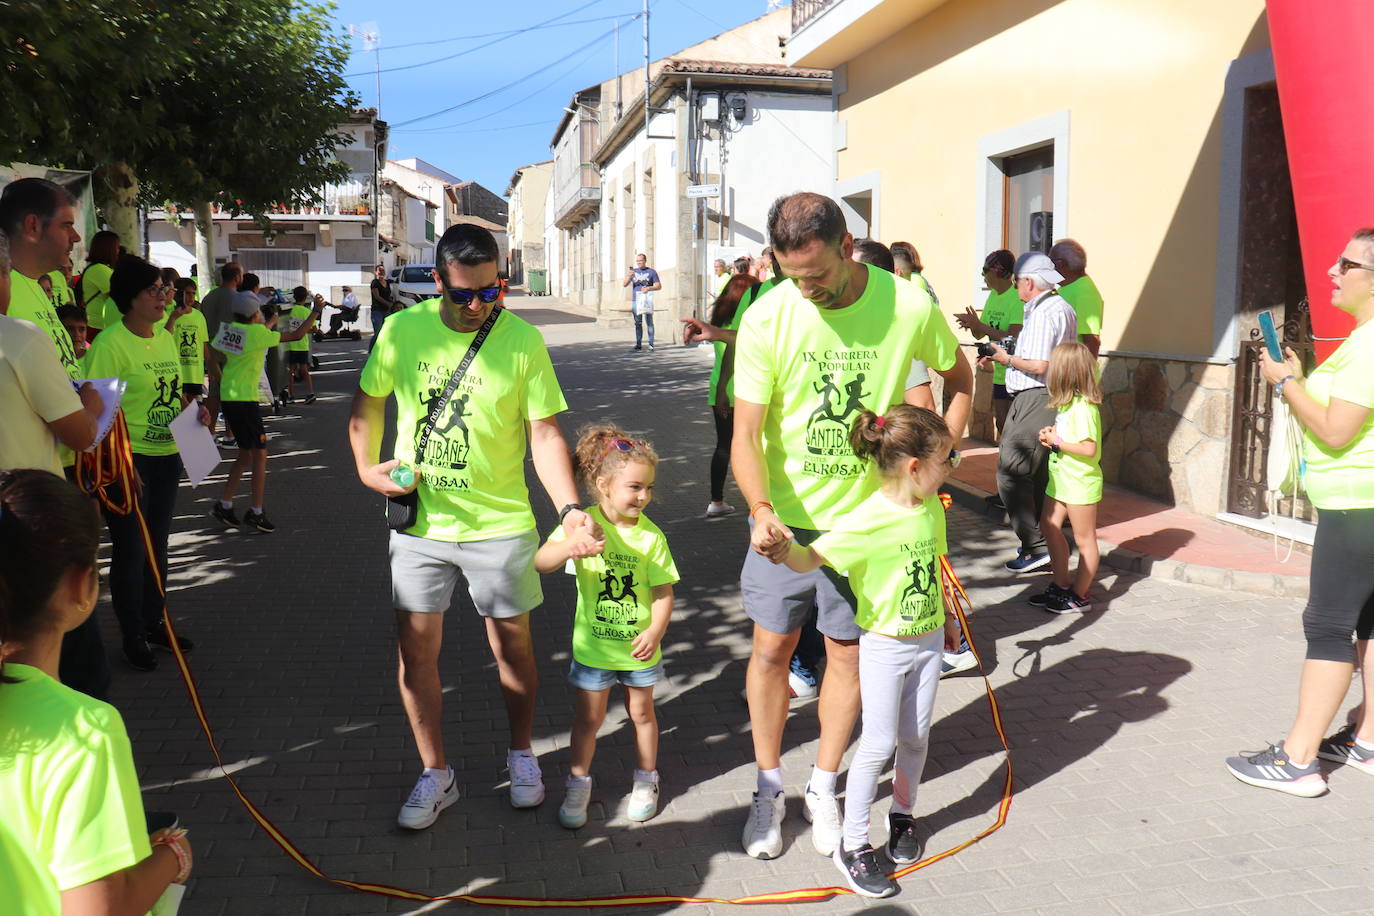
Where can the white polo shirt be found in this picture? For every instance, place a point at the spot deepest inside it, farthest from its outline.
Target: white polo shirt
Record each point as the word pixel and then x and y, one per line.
pixel 1049 322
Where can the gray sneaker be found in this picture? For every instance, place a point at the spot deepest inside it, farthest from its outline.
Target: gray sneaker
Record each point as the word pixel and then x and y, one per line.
pixel 1271 769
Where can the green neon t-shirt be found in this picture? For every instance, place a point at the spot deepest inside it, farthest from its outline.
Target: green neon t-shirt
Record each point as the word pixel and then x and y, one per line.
pixel 1076 480
pixel 151 368
pixel 73 812
pixel 1001 311
pixel 61 292
pixel 1343 478
pixel 733 325
pixel 244 345
pixel 28 302
pixel 95 290
pixel 615 592
pixel 472 481
pixel 1083 295
pixel 815 369
pixel 190 333
pixel 891 555
pixel 290 321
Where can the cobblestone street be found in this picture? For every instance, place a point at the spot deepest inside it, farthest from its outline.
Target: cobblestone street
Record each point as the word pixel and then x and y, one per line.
pixel 1119 719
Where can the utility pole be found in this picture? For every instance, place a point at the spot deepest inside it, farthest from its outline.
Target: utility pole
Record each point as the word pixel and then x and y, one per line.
pixel 644 11
pixel 372 42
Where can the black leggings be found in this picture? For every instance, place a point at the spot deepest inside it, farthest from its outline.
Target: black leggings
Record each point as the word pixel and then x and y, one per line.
pixel 720 458
pixel 1342 593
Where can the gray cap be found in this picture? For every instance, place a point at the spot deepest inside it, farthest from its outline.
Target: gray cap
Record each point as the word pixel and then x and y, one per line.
pixel 246 304
pixel 1035 263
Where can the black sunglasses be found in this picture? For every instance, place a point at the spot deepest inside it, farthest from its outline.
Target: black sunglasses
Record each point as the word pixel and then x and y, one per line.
pixel 462 296
pixel 1344 264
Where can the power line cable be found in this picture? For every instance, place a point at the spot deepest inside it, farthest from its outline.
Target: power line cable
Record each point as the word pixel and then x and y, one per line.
pixel 444 41
pixel 486 95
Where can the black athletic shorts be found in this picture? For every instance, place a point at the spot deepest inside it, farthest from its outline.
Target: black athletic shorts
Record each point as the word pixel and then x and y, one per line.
pixel 244 420
pixel 298 358
pixel 192 391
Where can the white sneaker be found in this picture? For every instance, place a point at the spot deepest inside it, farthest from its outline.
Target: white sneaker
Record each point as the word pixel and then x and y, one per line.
pixel 573 814
pixel 426 800
pixel 714 511
pixel 763 831
pixel 643 800
pixel 526 781
pixel 954 662
pixel 823 811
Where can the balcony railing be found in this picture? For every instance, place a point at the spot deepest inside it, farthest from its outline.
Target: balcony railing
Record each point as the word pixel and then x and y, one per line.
pixel 803 11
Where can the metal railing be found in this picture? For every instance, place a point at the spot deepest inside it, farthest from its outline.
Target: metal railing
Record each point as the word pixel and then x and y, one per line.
pixel 803 11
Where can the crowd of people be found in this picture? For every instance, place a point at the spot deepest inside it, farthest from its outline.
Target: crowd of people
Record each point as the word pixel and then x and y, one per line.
pixel 824 409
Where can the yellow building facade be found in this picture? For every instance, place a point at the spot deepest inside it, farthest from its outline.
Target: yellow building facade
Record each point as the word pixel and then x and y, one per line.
pixel 1147 131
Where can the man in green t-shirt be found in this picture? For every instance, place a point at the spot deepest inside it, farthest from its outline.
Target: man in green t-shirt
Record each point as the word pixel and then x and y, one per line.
pixel 1079 291
pixel 298 351
pixel 40 219
pixel 473 516
pixel 835 337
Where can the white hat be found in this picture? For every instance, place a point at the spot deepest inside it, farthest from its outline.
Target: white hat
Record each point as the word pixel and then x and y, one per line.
pixel 1035 263
pixel 246 304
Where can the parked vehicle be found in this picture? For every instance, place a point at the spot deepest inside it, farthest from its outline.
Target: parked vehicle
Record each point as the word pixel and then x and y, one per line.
pixel 414 283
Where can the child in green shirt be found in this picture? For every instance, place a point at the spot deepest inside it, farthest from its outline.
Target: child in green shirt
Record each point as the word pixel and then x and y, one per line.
pixel 624 599
pixel 1075 487
pixel 890 548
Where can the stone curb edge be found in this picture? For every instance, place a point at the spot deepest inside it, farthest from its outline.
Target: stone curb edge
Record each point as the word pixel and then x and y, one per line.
pixel 1275 585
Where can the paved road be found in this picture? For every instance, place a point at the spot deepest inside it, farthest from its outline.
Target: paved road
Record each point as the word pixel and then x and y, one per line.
pixel 1118 719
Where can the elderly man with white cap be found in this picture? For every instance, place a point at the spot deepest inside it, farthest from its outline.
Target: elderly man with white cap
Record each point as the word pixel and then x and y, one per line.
pixel 1022 462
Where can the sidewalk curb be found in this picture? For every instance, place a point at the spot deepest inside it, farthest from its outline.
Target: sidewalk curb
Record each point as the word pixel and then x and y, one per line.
pixel 1274 585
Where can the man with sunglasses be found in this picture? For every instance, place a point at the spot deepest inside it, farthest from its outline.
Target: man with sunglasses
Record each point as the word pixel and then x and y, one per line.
pixel 473 518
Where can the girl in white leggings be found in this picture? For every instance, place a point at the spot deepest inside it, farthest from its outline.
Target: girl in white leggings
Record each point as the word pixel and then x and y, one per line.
pixel 890 547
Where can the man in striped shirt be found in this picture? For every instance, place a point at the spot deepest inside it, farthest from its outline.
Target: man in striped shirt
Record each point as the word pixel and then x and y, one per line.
pixel 1022 462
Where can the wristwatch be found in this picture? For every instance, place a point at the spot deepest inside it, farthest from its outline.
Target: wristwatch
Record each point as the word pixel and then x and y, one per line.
pixel 1278 389
pixel 570 507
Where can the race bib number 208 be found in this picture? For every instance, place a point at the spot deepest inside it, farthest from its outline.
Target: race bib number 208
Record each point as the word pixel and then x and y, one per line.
pixel 230 339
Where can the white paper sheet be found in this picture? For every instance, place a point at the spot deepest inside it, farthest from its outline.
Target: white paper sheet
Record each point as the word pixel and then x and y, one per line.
pixel 199 455
pixel 111 392
pixel 170 901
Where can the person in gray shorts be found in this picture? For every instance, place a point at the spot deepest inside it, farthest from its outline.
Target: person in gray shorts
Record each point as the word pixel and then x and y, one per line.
pixel 835 337
pixel 473 520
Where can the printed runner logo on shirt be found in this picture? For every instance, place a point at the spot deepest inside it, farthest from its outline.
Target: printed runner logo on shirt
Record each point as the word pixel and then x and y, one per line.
pixel 165 406
pixel 230 339
pixel 450 443
pixel 840 380
pixel 920 599
pixel 186 342
pixel 617 605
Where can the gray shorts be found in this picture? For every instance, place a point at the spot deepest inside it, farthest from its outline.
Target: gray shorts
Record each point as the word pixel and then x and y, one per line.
pixel 780 600
pixel 499 572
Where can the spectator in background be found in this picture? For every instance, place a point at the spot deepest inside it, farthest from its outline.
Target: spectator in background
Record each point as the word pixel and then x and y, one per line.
pixel 218 309
pixel 762 268
pixel 908 266
pixel 722 275
pixel 298 351
pixel 383 303
pixel 1079 291
pixel 742 264
pixel 93 290
pixel 45 284
pixel 73 318
pixel 62 293
pixel 1001 317
pixel 918 384
pixel 187 325
pixel 644 282
pixel 1022 460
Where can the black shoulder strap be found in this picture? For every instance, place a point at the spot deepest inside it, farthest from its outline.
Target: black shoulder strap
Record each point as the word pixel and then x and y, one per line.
pixel 438 410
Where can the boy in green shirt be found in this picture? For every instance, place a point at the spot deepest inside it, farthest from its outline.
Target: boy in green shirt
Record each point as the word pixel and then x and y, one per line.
pixel 298 351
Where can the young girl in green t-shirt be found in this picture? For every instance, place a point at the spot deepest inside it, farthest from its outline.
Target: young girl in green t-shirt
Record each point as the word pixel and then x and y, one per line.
pixel 75 837
pixel 624 599
pixel 890 548
pixel 1075 487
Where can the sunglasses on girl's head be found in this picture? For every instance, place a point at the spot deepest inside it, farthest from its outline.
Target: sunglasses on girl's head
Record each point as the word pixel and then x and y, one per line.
pixel 462 296
pixel 622 444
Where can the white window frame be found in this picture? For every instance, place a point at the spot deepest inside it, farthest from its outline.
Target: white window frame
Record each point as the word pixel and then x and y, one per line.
pixel 872 183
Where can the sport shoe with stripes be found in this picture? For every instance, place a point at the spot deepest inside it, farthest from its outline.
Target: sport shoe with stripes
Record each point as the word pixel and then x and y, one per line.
pixel 1341 748
pixel 1271 769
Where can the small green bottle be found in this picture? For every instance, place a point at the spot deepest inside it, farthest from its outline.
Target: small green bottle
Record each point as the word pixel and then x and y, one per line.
pixel 403 475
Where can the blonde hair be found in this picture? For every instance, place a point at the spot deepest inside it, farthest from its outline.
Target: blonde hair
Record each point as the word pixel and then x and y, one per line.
pixel 905 432
pixel 604 448
pixel 1073 374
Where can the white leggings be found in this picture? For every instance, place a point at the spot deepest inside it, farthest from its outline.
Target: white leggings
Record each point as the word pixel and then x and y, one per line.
pixel 897 679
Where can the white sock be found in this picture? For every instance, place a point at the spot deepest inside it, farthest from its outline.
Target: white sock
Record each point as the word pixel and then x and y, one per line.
pixel 443 775
pixel 577 782
pixel 256 510
pixel 225 504
pixel 523 752
pixel 1364 745
pixel 646 776
pixel 770 781
pixel 822 782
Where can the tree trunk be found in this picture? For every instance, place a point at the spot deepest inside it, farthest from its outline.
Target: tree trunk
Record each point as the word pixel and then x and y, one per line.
pixel 117 186
pixel 205 248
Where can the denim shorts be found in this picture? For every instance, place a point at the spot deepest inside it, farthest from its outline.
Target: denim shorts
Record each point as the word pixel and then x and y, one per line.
pixel 585 677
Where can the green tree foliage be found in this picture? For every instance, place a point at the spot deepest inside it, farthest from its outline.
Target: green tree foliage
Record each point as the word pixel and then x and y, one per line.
pixel 236 101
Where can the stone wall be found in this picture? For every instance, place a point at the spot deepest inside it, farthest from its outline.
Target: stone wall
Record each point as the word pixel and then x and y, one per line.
pixel 1167 429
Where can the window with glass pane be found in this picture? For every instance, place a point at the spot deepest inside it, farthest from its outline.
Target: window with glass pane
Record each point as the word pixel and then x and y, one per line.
pixel 1028 200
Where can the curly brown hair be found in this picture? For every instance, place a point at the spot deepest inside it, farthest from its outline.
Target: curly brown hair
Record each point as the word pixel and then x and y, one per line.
pixel 604 448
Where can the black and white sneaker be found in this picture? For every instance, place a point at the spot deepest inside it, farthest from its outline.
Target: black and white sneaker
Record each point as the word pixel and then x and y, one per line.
pixel 259 521
pixel 426 800
pixel 310 398
pixel 862 871
pixel 903 845
pixel 1341 748
pixel 224 516
pixel 1051 592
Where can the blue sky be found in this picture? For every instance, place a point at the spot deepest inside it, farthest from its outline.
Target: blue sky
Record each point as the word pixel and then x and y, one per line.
pixel 488 139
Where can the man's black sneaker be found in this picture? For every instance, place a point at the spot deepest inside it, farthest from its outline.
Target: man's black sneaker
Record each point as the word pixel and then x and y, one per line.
pixel 903 846
pixel 310 398
pixel 227 442
pixel 1044 598
pixel 224 516
pixel 157 639
pixel 138 653
pixel 259 521
pixel 861 869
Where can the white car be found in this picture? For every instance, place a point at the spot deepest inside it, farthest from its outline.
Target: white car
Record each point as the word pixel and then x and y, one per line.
pixel 414 283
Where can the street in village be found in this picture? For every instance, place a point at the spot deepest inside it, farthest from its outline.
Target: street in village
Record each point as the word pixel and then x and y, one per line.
pixel 1119 719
